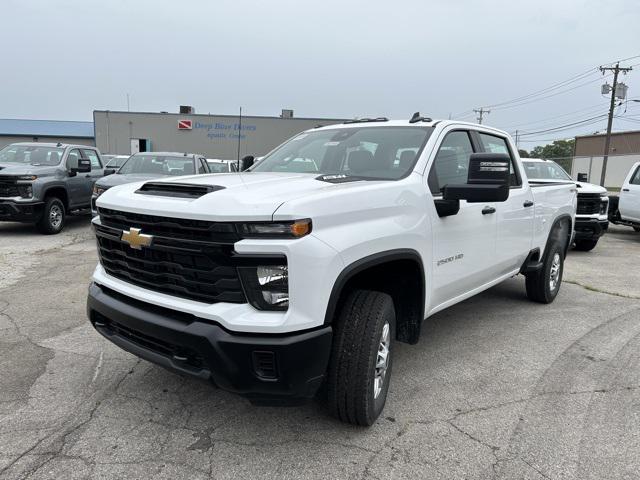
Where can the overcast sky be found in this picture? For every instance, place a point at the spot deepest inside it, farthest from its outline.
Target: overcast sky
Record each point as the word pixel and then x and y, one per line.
pixel 62 59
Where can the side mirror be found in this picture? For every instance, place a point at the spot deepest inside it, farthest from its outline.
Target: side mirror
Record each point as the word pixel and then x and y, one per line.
pixel 487 181
pixel 109 171
pixel 583 177
pixel 78 165
pixel 246 162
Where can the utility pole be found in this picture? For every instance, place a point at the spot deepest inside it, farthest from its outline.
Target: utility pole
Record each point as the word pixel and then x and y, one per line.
pixel 517 139
pixel 239 133
pixel 480 113
pixel 607 141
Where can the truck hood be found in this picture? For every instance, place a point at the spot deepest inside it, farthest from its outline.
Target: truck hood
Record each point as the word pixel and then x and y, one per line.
pixel 251 196
pixel 118 179
pixel 26 169
pixel 589 188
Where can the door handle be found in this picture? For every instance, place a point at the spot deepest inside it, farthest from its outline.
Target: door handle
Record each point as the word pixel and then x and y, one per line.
pixel 528 203
pixel 488 210
pixel 625 189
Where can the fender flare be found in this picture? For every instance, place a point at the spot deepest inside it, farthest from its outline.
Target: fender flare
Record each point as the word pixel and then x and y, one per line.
pixel 369 261
pixel 554 226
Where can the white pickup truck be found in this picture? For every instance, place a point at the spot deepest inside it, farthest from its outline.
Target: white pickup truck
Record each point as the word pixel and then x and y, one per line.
pixel 625 209
pixel 305 270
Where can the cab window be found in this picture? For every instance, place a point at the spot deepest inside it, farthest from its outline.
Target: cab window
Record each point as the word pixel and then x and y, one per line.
pixel 494 144
pixel 74 155
pixel 451 165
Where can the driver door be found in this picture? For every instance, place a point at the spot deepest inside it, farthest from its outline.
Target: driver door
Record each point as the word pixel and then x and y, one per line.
pixel 463 244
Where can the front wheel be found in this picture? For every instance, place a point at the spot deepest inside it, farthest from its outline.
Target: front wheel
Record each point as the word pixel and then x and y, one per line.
pixel 586 245
pixel 53 217
pixel 543 285
pixel 637 229
pixel 360 365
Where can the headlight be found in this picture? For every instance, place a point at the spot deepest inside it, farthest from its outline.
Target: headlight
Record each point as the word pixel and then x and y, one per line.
pixel 25 190
pixel 267 286
pixel 27 177
pixel 604 205
pixel 97 191
pixel 289 229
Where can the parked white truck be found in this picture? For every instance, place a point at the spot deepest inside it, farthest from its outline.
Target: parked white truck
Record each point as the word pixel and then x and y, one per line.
pixel 592 204
pixel 305 270
pixel 625 209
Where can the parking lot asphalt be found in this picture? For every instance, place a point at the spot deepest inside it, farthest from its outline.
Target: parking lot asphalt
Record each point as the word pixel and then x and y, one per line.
pixel 498 387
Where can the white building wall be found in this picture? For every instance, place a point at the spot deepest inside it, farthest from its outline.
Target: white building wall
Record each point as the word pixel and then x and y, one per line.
pixel 618 167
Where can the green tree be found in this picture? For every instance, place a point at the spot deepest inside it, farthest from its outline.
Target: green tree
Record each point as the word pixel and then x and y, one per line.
pixel 557 149
pixel 523 153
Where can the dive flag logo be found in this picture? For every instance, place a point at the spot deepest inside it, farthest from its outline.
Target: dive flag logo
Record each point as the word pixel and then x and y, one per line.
pixel 185 125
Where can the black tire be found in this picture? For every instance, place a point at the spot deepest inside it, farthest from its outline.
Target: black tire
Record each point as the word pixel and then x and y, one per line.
pixel 539 283
pixel 637 229
pixel 358 332
pixel 53 217
pixel 586 245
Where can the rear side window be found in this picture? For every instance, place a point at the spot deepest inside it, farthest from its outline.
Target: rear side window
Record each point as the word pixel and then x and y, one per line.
pixel 93 156
pixel 451 165
pixel 493 144
pixel 635 180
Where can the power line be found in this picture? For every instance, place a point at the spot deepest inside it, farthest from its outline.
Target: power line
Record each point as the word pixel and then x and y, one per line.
pixel 567 126
pixel 545 120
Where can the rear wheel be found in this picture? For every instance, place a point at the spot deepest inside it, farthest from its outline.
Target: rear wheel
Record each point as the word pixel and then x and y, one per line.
pixel 637 229
pixel 543 285
pixel 586 245
pixel 53 217
pixel 361 357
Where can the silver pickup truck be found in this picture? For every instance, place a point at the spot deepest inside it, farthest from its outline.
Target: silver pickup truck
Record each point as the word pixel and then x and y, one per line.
pixel 42 183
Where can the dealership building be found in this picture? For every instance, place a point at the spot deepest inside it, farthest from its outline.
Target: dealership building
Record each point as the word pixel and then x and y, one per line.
pixel 53 131
pixel 624 151
pixel 214 136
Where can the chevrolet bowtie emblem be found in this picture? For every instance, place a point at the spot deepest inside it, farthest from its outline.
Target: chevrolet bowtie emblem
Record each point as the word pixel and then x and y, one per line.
pixel 135 239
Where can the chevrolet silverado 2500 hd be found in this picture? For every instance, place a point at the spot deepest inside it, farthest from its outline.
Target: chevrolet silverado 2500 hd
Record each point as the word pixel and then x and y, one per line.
pixel 625 209
pixel 592 206
pixel 305 270
pixel 42 183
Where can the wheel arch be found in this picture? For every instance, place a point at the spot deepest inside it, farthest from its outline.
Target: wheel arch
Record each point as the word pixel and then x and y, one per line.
pixel 57 191
pixel 399 273
pixel 556 232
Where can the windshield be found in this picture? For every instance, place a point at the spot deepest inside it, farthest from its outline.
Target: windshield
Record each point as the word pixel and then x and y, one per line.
pixel 545 171
pixel 31 155
pixel 384 153
pixel 115 162
pixel 157 165
pixel 216 167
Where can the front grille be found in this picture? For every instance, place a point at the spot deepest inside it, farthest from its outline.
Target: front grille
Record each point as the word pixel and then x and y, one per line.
pixel 179 228
pixel 174 264
pixel 8 189
pixel 588 203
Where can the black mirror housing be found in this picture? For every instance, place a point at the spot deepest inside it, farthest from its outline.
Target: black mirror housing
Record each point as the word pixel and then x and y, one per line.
pixel 109 171
pixel 487 181
pixel 78 165
pixel 246 162
pixel 583 177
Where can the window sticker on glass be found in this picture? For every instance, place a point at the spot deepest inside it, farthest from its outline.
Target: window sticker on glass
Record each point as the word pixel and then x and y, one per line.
pixel 331 144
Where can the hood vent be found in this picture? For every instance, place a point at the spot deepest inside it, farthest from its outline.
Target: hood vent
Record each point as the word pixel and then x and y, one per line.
pixel 179 190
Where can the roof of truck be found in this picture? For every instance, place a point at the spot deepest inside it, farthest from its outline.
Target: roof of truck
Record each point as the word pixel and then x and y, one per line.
pixel 51 144
pixel 362 123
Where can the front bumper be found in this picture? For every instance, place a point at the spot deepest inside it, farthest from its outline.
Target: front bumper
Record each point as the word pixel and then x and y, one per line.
pixel 13 211
pixel 267 369
pixel 590 228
